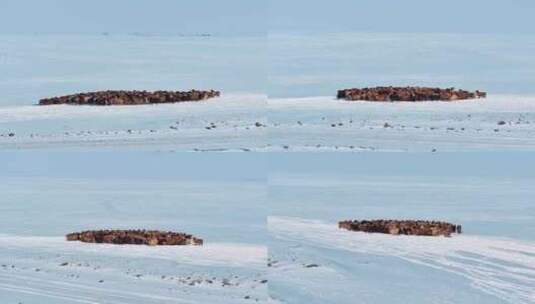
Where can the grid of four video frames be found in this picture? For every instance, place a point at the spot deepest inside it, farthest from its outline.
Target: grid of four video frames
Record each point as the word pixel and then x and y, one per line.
pixel 267 151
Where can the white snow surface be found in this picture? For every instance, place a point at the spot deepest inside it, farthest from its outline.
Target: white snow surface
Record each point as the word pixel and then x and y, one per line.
pixel 228 122
pixel 327 124
pixel 313 261
pixel 252 122
pixel 52 270
pixel 218 254
pixel 38 265
pixel 501 267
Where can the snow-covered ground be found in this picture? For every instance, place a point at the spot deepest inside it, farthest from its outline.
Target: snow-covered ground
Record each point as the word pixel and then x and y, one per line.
pixel 46 196
pixel 248 122
pixel 226 198
pixel 35 66
pixel 327 265
pixel 327 124
pixel 307 69
pixel 312 261
pixel 277 95
pixel 232 122
pixel 51 270
pixel 279 208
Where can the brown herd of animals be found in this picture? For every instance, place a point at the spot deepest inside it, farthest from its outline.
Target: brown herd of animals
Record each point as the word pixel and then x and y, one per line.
pixel 105 98
pixel 383 94
pixel 136 237
pixel 393 94
pixel 406 227
pixel 155 237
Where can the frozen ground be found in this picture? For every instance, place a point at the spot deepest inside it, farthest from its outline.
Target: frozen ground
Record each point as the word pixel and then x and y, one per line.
pixel 316 262
pixel 35 66
pixel 50 270
pixel 312 261
pixel 298 72
pixel 248 122
pixel 46 196
pixel 232 122
pixel 303 67
pixel 326 124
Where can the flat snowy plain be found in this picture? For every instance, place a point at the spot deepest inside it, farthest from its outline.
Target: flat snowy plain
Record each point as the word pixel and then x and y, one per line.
pixel 54 186
pixel 46 196
pixel 276 97
pixel 327 124
pixel 249 122
pixel 312 261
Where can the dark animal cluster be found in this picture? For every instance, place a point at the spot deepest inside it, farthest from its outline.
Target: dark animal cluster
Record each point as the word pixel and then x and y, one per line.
pixel 104 98
pixel 407 227
pixel 137 237
pixel 392 94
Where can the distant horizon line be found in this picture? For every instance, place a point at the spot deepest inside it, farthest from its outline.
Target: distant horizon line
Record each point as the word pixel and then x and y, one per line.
pixel 137 33
pixel 256 33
